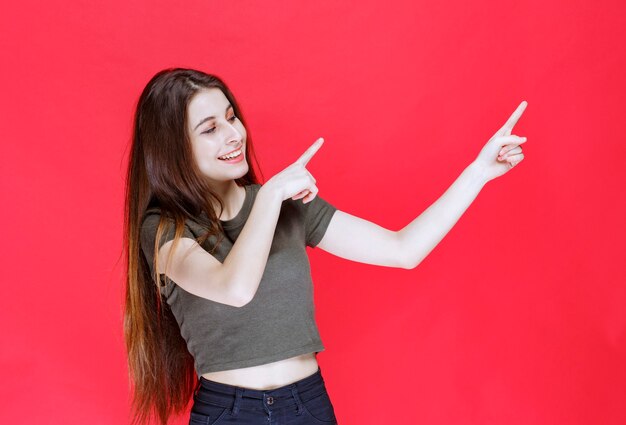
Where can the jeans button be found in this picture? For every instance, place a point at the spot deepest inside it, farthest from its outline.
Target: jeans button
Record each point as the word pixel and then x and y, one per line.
pixel 270 400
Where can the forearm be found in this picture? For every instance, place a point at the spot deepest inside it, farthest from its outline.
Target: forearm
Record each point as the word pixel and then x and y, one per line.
pixel 421 235
pixel 246 261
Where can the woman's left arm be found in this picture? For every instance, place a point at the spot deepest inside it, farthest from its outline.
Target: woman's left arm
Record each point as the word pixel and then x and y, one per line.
pixel 356 239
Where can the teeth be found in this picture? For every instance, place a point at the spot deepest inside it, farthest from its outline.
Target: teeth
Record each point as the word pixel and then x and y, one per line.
pixel 232 155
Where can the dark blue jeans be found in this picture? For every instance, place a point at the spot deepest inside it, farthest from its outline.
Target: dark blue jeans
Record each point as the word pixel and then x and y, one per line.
pixel 304 402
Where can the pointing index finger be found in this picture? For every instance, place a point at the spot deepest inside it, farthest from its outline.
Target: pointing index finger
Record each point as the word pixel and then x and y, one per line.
pixel 507 128
pixel 308 154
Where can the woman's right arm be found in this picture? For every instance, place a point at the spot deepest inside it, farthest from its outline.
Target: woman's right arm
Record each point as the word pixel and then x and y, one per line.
pixel 236 280
pixel 244 265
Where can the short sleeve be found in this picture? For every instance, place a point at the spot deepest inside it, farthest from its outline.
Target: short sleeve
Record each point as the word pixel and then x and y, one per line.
pixel 317 216
pixel 148 235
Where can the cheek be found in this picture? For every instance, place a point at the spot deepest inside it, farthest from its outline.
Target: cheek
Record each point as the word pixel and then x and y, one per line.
pixel 242 130
pixel 205 154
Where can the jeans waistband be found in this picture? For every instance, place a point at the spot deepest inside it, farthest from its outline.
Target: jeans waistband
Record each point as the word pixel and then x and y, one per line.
pixel 227 395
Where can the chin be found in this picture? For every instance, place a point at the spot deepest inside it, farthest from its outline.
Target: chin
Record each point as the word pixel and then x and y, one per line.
pixel 240 172
pixel 244 171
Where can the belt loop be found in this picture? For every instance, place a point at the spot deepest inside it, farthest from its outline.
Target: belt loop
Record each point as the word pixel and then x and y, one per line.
pixel 294 391
pixel 238 395
pixel 198 385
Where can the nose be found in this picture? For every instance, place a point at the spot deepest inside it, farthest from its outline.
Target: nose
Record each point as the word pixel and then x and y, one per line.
pixel 234 136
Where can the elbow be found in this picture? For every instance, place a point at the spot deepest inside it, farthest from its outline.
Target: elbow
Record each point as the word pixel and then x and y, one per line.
pixel 401 262
pixel 243 296
pixel 236 295
pixel 240 300
pixel 407 261
pixel 242 303
pixel 409 265
pixel 236 289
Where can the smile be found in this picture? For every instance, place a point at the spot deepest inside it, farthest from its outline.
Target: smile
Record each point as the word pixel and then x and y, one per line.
pixel 231 155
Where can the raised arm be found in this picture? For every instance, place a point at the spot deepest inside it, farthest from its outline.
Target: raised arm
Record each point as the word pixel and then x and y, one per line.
pixel 236 280
pixel 356 239
pixel 421 236
pixel 359 240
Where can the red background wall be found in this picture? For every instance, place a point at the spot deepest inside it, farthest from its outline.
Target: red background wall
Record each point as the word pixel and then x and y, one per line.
pixel 516 317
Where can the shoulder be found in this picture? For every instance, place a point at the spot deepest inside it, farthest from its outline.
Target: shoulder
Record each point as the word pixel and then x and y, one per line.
pixel 152 217
pixel 150 221
pixel 254 187
pixel 150 224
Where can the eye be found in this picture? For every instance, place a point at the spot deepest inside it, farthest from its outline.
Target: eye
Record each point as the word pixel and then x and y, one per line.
pixel 212 129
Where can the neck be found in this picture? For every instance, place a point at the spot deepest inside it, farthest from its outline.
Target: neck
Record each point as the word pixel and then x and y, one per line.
pixel 232 196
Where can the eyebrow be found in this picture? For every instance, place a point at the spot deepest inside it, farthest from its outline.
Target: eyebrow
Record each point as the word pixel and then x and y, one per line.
pixel 210 118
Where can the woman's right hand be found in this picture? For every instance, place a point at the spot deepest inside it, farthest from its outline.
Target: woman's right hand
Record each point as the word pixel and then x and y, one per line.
pixel 296 181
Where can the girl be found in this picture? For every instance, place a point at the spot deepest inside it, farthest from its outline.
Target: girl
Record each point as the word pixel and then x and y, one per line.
pixel 219 297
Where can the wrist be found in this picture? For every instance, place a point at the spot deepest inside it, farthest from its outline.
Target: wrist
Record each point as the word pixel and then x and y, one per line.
pixel 268 193
pixel 478 173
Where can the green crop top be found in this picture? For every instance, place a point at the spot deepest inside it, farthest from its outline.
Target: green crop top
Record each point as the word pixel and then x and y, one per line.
pixel 279 322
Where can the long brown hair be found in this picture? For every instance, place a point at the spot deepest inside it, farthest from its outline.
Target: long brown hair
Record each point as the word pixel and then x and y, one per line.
pixel 162 171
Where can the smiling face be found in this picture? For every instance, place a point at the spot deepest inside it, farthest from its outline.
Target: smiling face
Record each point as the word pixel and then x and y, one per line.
pixel 215 131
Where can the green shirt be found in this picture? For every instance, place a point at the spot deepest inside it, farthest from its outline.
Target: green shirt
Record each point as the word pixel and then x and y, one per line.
pixel 279 322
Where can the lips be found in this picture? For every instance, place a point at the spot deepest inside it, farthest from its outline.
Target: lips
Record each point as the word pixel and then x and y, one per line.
pixel 234 150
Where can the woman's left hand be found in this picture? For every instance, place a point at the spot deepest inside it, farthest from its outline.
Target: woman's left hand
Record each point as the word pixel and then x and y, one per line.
pixel 503 151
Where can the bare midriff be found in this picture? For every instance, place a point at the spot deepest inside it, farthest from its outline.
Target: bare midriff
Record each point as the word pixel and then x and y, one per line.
pixel 268 376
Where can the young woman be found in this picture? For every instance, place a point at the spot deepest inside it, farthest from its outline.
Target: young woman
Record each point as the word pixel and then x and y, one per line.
pixel 219 298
